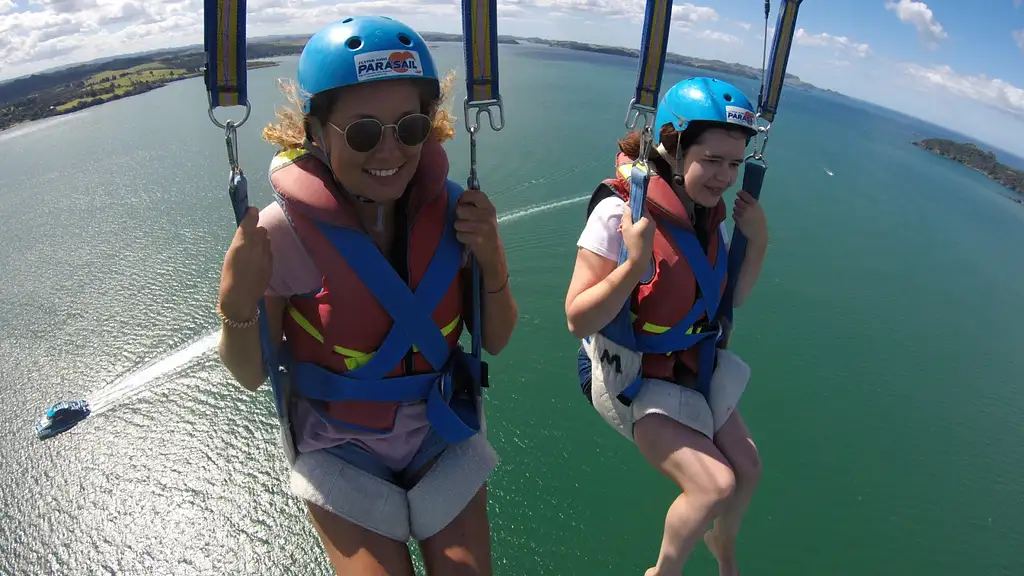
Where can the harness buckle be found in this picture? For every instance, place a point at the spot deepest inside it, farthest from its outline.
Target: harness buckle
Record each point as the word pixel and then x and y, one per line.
pixel 715 327
pixel 465 382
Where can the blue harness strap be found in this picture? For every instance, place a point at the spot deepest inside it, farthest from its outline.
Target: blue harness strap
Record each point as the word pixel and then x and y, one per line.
pixel 453 417
pixel 680 336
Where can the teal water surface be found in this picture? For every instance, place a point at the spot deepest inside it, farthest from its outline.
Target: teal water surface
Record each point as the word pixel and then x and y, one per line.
pixel 883 338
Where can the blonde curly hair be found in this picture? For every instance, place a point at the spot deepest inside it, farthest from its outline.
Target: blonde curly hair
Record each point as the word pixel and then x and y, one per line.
pixel 290 130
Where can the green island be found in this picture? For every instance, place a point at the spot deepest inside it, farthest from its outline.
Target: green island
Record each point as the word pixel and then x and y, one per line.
pixel 970 155
pixel 73 88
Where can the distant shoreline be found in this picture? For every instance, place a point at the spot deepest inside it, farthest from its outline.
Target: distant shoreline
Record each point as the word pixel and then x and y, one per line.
pixel 81 86
pixel 970 155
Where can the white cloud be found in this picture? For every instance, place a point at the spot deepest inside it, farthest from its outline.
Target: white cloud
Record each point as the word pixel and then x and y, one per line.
pixel 56 32
pixel 825 39
pixel 693 14
pixel 744 25
pixel 920 16
pixel 993 92
pixel 683 14
pixel 1018 36
pixel 719 37
pixel 59 32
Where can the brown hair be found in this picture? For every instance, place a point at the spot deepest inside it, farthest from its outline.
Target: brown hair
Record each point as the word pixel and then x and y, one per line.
pixel 290 130
pixel 670 138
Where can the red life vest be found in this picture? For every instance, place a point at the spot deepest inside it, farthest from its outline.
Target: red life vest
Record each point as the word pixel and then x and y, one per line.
pixel 669 312
pixel 334 337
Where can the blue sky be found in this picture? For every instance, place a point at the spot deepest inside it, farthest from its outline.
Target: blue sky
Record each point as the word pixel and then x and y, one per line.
pixel 952 62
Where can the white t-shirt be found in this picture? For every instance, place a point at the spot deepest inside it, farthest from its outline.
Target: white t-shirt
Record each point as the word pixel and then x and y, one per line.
pixel 601 234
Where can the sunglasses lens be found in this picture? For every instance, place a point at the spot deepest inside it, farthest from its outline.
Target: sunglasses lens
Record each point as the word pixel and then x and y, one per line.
pixel 363 135
pixel 413 129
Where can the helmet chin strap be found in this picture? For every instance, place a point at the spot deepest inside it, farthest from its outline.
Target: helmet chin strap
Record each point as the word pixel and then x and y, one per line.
pixel 677 179
pixel 324 154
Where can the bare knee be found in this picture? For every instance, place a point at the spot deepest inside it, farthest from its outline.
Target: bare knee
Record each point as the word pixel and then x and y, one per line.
pixel 687 457
pixel 748 468
pixel 734 440
pixel 714 487
pixel 746 465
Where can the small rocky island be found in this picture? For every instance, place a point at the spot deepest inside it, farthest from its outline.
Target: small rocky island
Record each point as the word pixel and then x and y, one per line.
pixel 983 161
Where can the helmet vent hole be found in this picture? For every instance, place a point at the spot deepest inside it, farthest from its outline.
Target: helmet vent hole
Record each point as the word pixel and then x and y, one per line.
pixel 346 20
pixel 728 97
pixel 404 40
pixel 354 43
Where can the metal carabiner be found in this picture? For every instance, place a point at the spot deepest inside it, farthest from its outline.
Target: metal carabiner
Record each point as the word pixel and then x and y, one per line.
pixel 231 140
pixel 646 143
pixel 760 142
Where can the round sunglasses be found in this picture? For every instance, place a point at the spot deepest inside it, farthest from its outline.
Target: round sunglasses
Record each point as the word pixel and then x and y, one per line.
pixel 365 134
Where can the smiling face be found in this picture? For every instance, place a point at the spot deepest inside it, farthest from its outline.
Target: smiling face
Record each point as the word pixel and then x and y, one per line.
pixel 367 161
pixel 711 165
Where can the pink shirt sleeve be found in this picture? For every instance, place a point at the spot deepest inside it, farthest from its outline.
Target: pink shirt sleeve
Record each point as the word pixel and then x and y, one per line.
pixel 294 271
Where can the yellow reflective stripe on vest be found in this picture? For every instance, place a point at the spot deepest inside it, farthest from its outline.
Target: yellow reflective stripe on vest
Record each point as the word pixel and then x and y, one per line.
pixel 286 157
pixel 354 358
pixel 656 329
pixel 626 170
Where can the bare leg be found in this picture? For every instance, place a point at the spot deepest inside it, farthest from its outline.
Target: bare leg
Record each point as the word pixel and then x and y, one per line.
pixel 463 547
pixel 733 439
pixel 356 551
pixel 692 461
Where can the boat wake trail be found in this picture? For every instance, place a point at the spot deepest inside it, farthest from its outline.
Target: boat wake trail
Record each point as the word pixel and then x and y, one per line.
pixel 524 212
pixel 146 377
pixel 138 381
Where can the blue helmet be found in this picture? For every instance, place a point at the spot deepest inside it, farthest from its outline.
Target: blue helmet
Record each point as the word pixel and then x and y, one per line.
pixel 362 49
pixel 704 99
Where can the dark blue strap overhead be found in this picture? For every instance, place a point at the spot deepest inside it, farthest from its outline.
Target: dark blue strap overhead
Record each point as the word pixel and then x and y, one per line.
pixel 224 44
pixel 653 48
pixel 620 329
pixel 238 191
pixel 772 82
pixel 753 177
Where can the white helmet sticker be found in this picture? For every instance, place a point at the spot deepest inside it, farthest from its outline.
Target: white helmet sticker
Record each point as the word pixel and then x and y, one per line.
pixel 738 115
pixel 387 63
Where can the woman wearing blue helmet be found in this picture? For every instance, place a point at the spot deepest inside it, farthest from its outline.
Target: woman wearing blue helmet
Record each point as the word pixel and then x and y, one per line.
pixel 650 361
pixel 363 262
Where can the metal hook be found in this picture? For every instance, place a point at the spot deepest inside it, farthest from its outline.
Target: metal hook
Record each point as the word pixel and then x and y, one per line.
pixel 635 111
pixel 484 107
